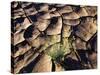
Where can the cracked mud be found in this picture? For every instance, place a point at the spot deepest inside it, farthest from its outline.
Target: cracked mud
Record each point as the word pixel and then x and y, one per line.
pixel 52 37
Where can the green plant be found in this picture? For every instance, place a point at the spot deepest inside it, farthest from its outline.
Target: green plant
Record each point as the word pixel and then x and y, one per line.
pixel 58 50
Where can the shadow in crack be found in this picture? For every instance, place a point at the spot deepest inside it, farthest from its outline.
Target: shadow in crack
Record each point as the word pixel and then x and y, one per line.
pixel 71 64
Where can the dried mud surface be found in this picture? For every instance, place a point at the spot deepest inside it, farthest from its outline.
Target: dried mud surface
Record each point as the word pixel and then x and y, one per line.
pixel 52 37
